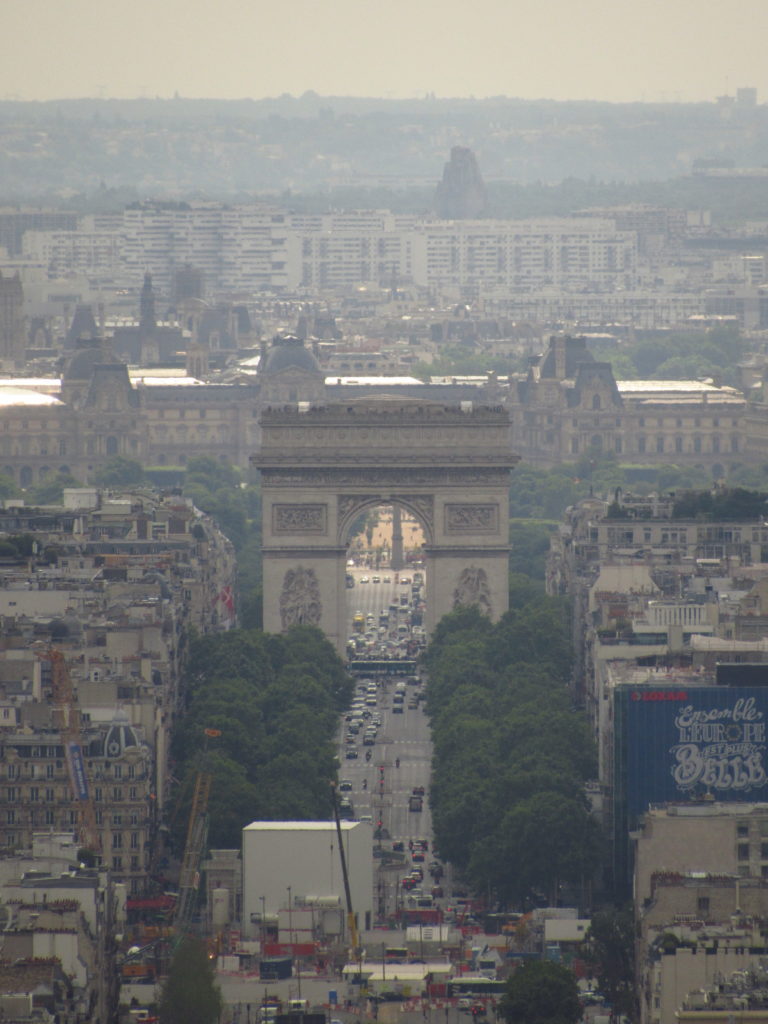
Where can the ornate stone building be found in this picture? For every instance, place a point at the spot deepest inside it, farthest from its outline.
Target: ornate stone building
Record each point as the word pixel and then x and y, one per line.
pixel 570 405
pixel 120 768
pixel 566 407
pixel 447 464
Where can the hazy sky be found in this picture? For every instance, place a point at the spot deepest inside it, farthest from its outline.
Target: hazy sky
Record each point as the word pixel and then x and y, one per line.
pixel 651 50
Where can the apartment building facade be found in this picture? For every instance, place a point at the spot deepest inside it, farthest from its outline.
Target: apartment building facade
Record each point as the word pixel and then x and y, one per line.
pixel 131 576
pixel 252 249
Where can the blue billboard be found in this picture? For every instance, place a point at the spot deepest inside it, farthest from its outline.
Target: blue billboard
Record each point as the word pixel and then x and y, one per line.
pixel 704 742
pixel 77 774
pixel 674 744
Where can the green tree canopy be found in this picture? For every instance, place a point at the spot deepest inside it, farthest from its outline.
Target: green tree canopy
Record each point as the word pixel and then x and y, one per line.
pixel 51 490
pixel 611 945
pixel 8 487
pixel 510 757
pixel 541 992
pixel 275 701
pixel 119 472
pixel 190 994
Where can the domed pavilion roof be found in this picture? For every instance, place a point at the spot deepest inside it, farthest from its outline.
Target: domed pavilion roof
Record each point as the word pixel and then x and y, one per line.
pixel 87 355
pixel 287 353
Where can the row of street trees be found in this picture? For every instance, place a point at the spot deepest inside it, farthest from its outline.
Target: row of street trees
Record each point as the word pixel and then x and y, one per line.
pixel 275 701
pixel 510 755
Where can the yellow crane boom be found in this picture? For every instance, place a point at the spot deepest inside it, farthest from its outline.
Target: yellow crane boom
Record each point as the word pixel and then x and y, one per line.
pixel 351 919
pixel 197 835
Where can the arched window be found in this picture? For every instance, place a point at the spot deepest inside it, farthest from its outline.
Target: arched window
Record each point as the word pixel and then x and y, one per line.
pixel 25 476
pixel 112 445
pixel 596 402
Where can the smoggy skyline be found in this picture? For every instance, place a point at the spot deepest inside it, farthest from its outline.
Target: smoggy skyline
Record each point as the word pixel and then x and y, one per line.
pixel 661 50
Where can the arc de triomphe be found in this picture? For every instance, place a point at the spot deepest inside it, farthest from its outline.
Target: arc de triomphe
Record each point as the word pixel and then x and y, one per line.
pixel 321 466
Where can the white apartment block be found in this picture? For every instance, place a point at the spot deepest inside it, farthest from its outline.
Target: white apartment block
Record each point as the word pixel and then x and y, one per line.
pixel 560 253
pixel 251 249
pixel 91 250
pixel 239 249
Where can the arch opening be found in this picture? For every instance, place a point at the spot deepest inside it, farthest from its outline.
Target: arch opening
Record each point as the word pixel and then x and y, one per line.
pixel 386 584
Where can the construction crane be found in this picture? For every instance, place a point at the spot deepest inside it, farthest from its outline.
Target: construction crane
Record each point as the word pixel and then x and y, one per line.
pixel 197 836
pixel 66 717
pixel 351 921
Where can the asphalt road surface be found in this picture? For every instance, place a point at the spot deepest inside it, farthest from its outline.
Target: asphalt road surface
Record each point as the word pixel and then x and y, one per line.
pixel 405 738
pixel 373 598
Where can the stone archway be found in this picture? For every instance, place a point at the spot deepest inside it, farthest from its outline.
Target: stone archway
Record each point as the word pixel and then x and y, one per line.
pixel 449 465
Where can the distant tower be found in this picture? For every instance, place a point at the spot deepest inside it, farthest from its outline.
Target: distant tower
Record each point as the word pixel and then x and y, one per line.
pixel 188 283
pixel 82 328
pixel 147 318
pixel 461 193
pixel 12 339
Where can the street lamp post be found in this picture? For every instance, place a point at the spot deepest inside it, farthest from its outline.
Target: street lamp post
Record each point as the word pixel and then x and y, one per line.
pixel 291 940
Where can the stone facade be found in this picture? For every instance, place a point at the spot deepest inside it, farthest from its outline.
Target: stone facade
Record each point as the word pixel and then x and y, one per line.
pixel 567 407
pixel 323 466
pixel 129 578
pixel 570 406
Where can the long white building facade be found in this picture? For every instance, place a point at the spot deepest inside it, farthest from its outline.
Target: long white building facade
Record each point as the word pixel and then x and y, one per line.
pixel 246 249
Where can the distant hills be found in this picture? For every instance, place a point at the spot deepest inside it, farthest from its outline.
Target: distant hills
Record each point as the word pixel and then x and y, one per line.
pixel 70 151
